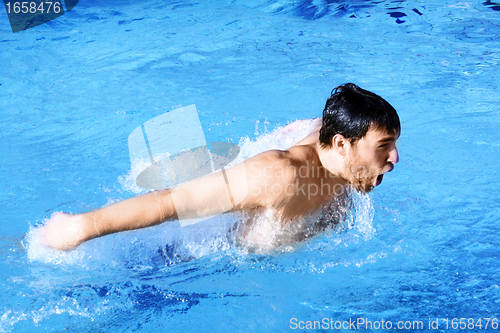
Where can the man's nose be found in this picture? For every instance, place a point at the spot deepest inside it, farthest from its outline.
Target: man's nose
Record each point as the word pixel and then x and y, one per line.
pixel 394 156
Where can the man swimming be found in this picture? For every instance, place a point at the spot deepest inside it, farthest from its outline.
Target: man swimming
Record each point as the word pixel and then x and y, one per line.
pixel 353 147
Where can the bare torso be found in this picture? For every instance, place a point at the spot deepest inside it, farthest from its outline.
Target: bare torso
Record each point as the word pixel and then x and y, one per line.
pixel 297 190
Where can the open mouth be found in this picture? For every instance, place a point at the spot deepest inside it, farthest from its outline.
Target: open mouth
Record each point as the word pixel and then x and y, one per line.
pixel 379 179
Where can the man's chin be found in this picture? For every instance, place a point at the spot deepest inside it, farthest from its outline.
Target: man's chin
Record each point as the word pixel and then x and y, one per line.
pixel 368 189
pixel 363 188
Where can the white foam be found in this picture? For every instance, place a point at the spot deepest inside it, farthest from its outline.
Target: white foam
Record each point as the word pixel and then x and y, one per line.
pixel 281 138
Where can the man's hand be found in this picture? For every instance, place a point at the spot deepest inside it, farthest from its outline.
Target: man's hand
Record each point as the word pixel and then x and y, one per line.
pixel 63 231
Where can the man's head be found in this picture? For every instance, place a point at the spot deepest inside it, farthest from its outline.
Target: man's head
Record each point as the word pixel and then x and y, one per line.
pixel 351 111
pixel 363 128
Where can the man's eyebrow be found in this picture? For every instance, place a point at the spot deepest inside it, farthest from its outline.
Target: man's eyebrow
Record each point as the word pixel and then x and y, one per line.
pixel 387 139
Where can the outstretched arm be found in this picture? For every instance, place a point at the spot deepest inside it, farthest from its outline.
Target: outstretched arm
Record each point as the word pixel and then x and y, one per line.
pixel 240 187
pixel 65 231
pixel 207 196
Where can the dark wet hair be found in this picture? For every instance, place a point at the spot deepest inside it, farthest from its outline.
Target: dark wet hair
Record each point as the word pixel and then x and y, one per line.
pixel 350 111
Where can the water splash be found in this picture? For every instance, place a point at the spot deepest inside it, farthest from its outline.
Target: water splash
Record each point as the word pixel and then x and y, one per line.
pixel 282 137
pixel 359 218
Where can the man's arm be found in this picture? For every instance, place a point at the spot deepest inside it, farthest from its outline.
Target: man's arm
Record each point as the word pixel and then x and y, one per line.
pixel 65 231
pixel 206 196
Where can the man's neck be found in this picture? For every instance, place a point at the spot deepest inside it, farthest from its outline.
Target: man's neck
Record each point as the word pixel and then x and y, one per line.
pixel 331 161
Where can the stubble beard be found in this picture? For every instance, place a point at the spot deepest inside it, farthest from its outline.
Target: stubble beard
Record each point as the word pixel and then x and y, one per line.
pixel 359 174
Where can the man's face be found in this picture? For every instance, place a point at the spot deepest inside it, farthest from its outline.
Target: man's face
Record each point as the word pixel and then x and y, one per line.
pixel 369 158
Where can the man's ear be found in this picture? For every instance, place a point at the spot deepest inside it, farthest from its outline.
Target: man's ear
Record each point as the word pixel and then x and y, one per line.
pixel 340 144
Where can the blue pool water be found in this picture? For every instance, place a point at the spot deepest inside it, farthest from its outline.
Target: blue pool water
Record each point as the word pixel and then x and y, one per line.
pixel 423 245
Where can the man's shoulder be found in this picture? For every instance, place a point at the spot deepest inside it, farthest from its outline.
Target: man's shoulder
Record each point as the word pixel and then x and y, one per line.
pixel 289 159
pixel 272 157
pixel 292 155
pixel 303 152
